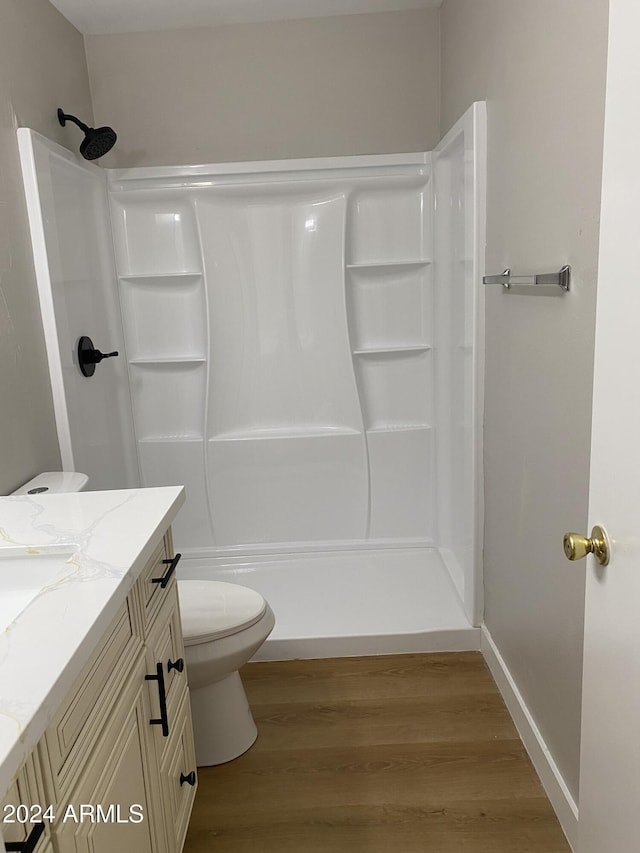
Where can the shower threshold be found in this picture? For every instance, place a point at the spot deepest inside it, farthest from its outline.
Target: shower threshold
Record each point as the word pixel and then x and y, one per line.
pixel 341 603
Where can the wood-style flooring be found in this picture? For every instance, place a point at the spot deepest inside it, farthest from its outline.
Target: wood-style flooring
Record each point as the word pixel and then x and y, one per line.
pixel 392 754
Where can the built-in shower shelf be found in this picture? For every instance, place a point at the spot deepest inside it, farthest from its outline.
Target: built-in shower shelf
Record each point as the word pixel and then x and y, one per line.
pixel 170 438
pixel 394 350
pixel 284 432
pixel 181 359
pixel 166 277
pixel 398 428
pixel 389 266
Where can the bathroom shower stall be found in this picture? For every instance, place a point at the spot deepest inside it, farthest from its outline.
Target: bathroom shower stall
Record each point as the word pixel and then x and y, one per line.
pixel 299 344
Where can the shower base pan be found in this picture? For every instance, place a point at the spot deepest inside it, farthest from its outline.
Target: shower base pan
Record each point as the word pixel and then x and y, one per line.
pixel 341 603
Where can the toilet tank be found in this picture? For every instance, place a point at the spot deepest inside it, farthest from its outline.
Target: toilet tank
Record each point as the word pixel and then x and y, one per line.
pixel 54 481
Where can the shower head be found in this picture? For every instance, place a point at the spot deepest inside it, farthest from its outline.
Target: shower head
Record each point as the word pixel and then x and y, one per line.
pixel 97 140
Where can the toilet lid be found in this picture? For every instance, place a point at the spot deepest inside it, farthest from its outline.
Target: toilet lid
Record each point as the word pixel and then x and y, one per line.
pixel 213 609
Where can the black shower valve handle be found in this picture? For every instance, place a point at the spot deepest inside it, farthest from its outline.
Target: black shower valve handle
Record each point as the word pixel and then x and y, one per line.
pixel 96 356
pixel 89 356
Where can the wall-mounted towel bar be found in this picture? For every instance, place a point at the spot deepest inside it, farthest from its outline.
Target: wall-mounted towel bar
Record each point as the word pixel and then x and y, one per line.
pixel 560 279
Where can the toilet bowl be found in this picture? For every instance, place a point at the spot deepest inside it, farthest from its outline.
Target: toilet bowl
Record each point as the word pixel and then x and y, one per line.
pixel 223 626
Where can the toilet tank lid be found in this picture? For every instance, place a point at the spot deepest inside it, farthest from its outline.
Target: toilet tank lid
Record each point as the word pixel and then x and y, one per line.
pixel 210 610
pixel 54 482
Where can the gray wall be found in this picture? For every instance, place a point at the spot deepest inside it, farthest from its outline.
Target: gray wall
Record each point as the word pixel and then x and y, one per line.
pixel 541 67
pixel 42 66
pixel 358 84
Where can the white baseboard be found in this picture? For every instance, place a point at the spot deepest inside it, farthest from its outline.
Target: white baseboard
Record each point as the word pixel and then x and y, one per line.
pixel 556 789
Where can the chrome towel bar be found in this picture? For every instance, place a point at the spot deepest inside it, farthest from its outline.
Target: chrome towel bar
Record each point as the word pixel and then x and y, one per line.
pixel 560 279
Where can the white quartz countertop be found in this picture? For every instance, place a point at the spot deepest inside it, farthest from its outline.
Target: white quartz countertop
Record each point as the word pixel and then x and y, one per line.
pixel 111 536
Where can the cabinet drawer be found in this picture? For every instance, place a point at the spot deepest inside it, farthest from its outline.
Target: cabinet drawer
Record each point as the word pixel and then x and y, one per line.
pixel 178 764
pixel 76 726
pixel 152 595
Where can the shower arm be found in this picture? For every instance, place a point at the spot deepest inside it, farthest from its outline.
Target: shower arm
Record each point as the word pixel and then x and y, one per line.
pixel 63 118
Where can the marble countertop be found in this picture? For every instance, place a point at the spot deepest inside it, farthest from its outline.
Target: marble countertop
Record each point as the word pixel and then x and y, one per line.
pixel 111 536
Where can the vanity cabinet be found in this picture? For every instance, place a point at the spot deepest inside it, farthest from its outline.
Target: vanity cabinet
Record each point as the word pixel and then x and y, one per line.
pixel 117 762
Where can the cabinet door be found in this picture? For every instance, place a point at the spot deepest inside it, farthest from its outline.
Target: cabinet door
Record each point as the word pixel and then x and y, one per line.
pixel 21 812
pixel 113 807
pixel 81 720
pixel 165 649
pixel 179 775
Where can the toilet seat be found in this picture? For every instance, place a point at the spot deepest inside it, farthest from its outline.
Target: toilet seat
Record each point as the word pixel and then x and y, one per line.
pixel 210 610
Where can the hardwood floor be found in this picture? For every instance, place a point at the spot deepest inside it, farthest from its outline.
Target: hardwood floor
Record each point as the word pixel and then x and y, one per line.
pixel 393 754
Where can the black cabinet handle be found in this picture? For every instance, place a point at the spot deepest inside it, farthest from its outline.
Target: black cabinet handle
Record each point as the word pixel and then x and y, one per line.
pixel 178 665
pixel 163 719
pixel 166 577
pixel 29 845
pixel 190 778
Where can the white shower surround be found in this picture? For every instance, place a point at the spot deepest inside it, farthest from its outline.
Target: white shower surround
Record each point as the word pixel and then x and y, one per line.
pixel 304 347
pixel 299 373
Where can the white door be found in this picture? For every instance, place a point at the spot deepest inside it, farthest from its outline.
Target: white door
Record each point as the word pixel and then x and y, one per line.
pixel 610 761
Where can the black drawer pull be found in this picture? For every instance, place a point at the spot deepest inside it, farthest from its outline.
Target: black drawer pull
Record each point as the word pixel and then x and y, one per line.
pixel 164 719
pixel 166 577
pixel 29 845
pixel 190 778
pixel 178 665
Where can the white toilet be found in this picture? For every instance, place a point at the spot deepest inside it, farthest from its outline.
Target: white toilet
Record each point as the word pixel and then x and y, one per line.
pixel 223 625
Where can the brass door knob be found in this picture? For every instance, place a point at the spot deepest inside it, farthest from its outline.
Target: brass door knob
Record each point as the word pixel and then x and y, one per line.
pixel 576 546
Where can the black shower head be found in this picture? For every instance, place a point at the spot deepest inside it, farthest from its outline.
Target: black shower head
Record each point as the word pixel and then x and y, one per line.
pixel 97 140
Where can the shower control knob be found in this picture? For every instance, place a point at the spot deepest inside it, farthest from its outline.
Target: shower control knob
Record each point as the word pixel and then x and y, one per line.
pixel 97 356
pixel 89 356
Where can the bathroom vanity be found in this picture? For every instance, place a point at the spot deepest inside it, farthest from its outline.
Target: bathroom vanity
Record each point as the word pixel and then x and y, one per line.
pixel 96 745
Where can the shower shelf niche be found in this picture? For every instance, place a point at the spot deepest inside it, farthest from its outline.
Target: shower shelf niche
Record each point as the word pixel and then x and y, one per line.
pixel 170 439
pixel 390 223
pixel 179 359
pixel 388 307
pixel 154 233
pixel 396 386
pixel 161 277
pixel 261 433
pixel 398 428
pixel 392 350
pixel 163 317
pixel 168 398
pixel 389 266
